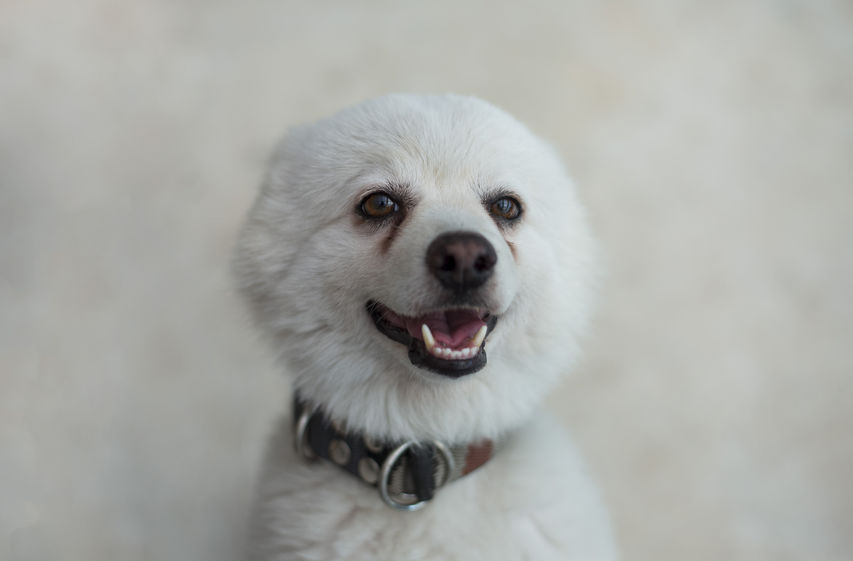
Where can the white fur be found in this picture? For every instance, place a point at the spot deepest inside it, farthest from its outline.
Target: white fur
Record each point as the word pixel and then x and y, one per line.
pixel 307 267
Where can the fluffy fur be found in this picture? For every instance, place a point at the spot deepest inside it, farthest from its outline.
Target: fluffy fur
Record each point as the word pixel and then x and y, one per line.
pixel 307 264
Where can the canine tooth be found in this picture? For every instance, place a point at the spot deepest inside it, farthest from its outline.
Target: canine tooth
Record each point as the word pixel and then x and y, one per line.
pixel 478 338
pixel 429 340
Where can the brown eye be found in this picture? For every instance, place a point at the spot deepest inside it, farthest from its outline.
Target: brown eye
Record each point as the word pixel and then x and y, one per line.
pixel 506 208
pixel 378 205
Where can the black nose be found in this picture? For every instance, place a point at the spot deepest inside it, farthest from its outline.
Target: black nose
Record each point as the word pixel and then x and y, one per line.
pixel 461 260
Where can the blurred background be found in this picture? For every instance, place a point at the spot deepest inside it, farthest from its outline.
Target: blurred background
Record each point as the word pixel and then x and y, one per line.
pixel 712 142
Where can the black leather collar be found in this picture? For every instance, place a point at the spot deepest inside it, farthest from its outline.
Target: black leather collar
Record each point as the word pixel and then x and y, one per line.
pixel 407 473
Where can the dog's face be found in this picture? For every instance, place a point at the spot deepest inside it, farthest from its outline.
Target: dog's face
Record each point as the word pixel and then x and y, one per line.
pixel 422 265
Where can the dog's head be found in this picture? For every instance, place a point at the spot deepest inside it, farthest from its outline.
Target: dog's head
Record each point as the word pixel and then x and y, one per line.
pixel 421 263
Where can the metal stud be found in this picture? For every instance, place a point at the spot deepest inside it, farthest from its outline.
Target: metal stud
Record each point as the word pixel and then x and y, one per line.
pixel 338 427
pixel 368 469
pixel 303 449
pixel 373 445
pixel 339 452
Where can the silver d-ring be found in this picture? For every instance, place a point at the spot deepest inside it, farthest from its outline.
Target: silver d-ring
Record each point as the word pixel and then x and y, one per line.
pixel 300 434
pixel 391 461
pixel 449 464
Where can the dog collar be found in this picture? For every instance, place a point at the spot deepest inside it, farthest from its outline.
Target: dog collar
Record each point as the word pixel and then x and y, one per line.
pixel 407 473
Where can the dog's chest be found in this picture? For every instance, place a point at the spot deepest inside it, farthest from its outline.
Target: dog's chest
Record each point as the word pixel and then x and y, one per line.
pixel 533 501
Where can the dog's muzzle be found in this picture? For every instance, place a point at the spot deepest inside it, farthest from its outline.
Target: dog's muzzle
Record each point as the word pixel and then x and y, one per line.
pixel 448 340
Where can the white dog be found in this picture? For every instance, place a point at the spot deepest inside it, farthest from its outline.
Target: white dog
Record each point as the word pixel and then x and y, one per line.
pixel 424 268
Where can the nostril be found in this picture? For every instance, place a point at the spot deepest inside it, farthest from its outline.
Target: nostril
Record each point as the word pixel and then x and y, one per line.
pixel 449 263
pixel 482 263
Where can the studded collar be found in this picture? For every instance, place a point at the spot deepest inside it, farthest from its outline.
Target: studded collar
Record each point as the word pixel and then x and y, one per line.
pixel 407 474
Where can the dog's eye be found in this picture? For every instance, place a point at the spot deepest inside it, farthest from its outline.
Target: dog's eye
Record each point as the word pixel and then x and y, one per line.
pixel 378 205
pixel 506 208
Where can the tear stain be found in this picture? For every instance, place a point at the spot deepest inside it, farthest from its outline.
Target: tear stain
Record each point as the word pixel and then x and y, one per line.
pixel 512 249
pixel 385 246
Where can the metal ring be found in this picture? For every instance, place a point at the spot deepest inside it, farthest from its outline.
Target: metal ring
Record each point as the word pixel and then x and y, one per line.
pixel 449 463
pixel 388 465
pixel 299 435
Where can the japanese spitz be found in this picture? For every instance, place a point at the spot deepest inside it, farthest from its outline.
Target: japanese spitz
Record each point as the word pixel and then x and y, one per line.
pixel 423 267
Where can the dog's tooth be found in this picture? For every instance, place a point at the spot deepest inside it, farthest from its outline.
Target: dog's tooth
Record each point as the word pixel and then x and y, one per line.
pixel 478 338
pixel 429 340
pixel 465 353
pixel 455 355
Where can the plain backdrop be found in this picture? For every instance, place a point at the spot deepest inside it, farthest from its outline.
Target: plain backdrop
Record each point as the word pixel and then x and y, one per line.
pixel 712 142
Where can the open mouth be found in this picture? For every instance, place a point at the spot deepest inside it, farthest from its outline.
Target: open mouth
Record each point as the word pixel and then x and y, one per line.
pixel 448 342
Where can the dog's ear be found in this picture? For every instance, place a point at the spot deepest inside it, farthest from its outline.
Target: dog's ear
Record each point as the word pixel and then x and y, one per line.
pixel 270 236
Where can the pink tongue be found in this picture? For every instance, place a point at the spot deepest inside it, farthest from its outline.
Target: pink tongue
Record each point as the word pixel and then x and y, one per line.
pixel 451 329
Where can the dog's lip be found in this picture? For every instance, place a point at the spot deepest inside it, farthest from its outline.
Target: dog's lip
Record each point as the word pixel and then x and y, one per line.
pixel 461 358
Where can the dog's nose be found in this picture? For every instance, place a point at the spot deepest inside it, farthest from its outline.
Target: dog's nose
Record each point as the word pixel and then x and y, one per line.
pixel 461 260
